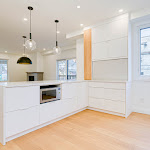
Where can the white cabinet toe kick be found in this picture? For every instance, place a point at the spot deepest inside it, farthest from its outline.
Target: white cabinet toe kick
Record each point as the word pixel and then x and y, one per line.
pixel 21 111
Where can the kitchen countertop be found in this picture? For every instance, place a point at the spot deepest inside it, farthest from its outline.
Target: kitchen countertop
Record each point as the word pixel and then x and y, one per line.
pixel 36 83
pixel 52 82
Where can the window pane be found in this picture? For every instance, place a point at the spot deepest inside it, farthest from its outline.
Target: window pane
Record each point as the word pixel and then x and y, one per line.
pixel 72 67
pixel 3 70
pixel 145 52
pixel 61 69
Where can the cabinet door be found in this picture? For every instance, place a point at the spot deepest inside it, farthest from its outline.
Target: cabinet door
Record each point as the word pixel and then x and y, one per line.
pixel 114 106
pixel 96 92
pixel 69 90
pixel 100 51
pixel 96 103
pixel 82 95
pixel 50 111
pixel 21 120
pixel 113 94
pixel 118 48
pixel 22 97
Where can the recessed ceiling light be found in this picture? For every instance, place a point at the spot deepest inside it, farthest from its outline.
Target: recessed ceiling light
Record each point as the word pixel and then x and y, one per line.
pixel 78 6
pixel 121 10
pixel 44 49
pixel 25 19
pixel 5 51
pixel 81 25
pixel 58 31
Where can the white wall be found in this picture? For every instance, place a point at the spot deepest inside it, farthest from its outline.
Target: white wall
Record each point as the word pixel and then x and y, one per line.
pixel 16 72
pixel 140 87
pixel 80 58
pixel 49 63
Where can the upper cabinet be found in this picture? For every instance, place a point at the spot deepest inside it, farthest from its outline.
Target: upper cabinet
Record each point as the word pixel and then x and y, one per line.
pixel 109 40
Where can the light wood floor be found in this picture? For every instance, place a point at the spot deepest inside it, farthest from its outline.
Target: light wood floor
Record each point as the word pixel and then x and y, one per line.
pixel 89 130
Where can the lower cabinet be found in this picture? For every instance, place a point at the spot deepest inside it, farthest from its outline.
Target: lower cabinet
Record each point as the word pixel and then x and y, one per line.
pixel 21 120
pixel 53 110
pixel 108 96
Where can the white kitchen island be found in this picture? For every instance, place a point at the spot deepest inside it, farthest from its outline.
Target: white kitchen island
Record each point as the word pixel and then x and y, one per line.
pixel 21 111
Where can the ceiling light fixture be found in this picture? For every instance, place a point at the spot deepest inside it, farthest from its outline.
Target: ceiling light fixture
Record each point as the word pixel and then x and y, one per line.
pixel 78 6
pixel 5 51
pixel 44 49
pixel 30 44
pixel 57 49
pixel 121 10
pixel 81 25
pixel 58 32
pixel 24 59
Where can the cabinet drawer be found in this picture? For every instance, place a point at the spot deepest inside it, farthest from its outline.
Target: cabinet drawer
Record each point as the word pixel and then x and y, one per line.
pixel 96 92
pixel 114 106
pixel 96 103
pixel 50 111
pixel 21 120
pixel 69 90
pixel 113 94
pixel 115 85
pixel 22 97
pixel 96 84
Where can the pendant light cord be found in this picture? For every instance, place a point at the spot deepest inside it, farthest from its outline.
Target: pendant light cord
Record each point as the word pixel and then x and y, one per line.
pixel 30 25
pixel 56 35
pixel 24 46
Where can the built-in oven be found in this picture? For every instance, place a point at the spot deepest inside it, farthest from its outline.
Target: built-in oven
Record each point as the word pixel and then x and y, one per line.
pixel 50 93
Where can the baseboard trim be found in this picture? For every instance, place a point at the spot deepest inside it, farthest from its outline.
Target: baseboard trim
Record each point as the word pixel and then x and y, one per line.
pixel 107 112
pixel 42 125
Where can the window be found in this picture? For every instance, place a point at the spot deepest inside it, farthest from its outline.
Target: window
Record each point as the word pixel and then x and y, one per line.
pixel 3 70
pixel 66 69
pixel 145 52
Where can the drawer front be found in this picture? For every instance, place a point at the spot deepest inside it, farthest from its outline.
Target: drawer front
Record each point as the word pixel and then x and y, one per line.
pixel 114 106
pixel 22 98
pixel 115 85
pixel 96 103
pixel 96 84
pixel 96 92
pixel 113 94
pixel 21 120
pixel 69 90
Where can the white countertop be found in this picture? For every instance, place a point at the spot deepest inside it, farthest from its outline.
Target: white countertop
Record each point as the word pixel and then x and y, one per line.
pixel 52 82
pixel 36 83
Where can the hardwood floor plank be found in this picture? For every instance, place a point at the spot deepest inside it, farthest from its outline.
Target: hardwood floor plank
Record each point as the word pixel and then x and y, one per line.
pixel 88 130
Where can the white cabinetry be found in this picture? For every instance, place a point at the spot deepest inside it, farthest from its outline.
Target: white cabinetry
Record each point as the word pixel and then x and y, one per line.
pixel 21 120
pixel 108 96
pixel 109 40
pixel 22 97
pixel 74 97
pixel 22 109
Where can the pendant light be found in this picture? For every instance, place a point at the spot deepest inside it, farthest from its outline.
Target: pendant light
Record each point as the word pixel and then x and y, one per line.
pixel 57 49
pixel 24 59
pixel 30 44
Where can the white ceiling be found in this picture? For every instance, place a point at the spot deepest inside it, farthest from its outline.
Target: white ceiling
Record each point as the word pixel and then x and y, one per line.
pixel 12 12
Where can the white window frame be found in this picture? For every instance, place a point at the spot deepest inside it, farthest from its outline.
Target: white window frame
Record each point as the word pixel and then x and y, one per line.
pixel 7 70
pixel 66 68
pixel 136 54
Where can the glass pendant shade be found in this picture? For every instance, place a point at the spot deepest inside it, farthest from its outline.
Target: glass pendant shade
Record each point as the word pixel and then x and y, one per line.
pixel 57 50
pixel 24 60
pixel 30 44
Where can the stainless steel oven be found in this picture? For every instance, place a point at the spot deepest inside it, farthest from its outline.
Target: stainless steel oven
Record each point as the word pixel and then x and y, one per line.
pixel 50 93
